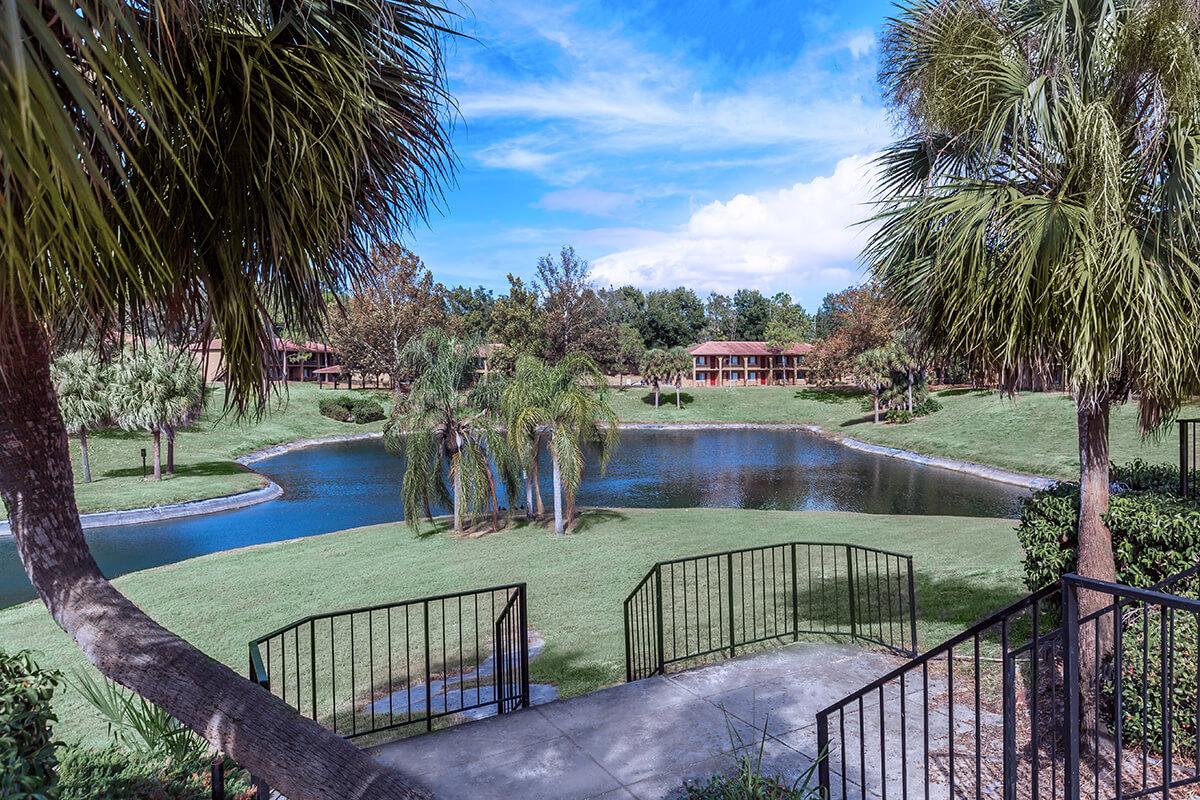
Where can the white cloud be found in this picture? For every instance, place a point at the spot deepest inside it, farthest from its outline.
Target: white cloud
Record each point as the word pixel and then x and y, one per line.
pixel 861 44
pixel 596 202
pixel 805 237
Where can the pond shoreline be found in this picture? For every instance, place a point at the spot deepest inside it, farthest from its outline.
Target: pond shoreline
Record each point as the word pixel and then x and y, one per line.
pixel 272 490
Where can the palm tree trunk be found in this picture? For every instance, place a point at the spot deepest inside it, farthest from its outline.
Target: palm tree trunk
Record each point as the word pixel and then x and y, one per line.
pixel 296 755
pixel 83 456
pixel 528 495
pixel 910 402
pixel 875 398
pixel 456 470
pixel 656 394
pixel 537 483
pixel 170 449
pixel 1095 559
pixel 558 498
pixel 156 437
pixel 495 500
pixel 677 396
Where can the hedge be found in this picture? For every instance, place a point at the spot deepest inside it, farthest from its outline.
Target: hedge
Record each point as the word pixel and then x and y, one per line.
pixel 28 752
pixel 347 408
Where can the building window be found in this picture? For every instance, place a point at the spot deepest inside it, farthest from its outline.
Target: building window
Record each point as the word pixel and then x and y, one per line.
pixel 752 360
pixel 701 361
pixel 753 375
pixel 734 360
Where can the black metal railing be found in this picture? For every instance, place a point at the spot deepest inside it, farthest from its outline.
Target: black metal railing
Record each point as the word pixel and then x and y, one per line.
pixel 374 669
pixel 688 608
pixel 1035 702
pixel 1189 458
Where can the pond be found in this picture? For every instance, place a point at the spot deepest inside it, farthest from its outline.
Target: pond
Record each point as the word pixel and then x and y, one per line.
pixel 349 484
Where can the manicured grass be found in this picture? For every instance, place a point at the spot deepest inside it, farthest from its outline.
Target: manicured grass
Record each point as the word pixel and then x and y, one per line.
pixel 966 567
pixel 204 452
pixel 1034 432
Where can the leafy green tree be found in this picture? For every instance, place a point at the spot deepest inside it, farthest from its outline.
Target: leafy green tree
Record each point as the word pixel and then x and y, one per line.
pixel 518 323
pixel 656 369
pixel 574 316
pixel 790 324
pixel 1044 208
pixel 154 388
pixel 720 319
pixel 470 311
pixel 629 350
pixel 753 313
pixel 565 404
pixel 448 424
pixel 626 305
pixel 215 161
pixel 673 317
pixel 82 398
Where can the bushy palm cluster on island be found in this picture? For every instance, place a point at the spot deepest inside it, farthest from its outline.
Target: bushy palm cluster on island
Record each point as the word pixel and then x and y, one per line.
pixel 465 436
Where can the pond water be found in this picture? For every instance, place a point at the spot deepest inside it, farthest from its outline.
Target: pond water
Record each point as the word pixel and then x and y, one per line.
pixel 349 484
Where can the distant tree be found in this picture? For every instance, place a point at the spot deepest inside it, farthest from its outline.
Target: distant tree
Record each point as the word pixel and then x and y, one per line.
pixel 626 305
pixel 519 323
pixel 469 311
pixel 630 348
pixel 395 301
pixel 151 389
pixel 563 404
pixel 825 321
pixel 575 318
pixel 79 382
pixel 674 317
pixel 655 369
pixel 863 320
pixel 183 386
pixel 449 423
pixel 873 371
pixel 679 365
pixel 790 324
pixel 720 319
pixel 753 314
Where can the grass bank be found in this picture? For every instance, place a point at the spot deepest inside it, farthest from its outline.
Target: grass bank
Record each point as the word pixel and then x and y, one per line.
pixel 1033 433
pixel 965 566
pixel 204 452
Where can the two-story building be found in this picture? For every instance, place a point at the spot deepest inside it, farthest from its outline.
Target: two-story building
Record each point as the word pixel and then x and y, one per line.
pixel 747 364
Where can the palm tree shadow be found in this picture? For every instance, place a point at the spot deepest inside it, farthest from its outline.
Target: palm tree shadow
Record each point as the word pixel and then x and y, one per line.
pixel 832 395
pixel 203 469
pixel 592 517
pixel 667 398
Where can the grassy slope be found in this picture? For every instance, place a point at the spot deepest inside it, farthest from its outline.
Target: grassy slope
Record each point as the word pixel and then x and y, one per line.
pixel 1032 433
pixel 204 453
pixel 965 567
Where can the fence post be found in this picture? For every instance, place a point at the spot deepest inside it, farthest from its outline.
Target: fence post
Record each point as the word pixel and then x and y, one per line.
pixel 1009 712
pixel 628 647
pixel 498 632
pixel 218 778
pixel 524 646
pixel 1184 467
pixel 795 598
pixel 823 782
pixel 428 673
pixel 1070 639
pixel 912 607
pixel 729 592
pixel 851 567
pixel 262 790
pixel 662 665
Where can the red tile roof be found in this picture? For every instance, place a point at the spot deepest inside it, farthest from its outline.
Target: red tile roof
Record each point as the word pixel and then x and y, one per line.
pixel 746 349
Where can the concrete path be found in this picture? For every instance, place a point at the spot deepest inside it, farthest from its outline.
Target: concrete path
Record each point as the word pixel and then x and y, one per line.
pixel 643 740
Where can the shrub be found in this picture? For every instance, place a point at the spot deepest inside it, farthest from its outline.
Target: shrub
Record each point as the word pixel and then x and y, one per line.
pixel 27 748
pixel 359 410
pixel 1155 532
pixel 87 774
pixel 747 781
pixel 899 416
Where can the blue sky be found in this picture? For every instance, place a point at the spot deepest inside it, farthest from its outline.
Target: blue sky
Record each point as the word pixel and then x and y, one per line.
pixel 708 144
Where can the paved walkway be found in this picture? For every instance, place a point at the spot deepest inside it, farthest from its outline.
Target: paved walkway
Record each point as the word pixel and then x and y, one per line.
pixel 643 740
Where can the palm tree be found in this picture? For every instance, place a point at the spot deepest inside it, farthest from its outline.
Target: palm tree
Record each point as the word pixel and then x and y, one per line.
pixel 872 371
pixel 1044 208
pixel 655 368
pixel 184 394
pixel 138 397
pixel 448 424
pixel 82 398
pixel 679 364
pixel 214 159
pixel 567 406
pixel 523 398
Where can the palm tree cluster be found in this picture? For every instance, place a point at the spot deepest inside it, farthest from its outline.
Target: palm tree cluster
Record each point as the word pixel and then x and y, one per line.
pixel 1045 207
pixel 155 388
pixel 464 437
pixel 192 169
pixel 659 366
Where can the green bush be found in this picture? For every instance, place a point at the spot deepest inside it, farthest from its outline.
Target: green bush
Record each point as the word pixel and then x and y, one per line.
pixel 1155 532
pixel 86 774
pixel 346 408
pixel 27 748
pixel 899 416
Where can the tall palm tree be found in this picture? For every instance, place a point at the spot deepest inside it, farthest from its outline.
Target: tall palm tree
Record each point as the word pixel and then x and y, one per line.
pixel 522 399
pixel 82 398
pixel 448 423
pixel 655 367
pixel 215 158
pixel 679 364
pixel 138 395
pixel 184 394
pixel 1044 207
pixel 568 407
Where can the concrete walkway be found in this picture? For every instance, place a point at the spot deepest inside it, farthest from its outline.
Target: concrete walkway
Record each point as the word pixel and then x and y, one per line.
pixel 643 740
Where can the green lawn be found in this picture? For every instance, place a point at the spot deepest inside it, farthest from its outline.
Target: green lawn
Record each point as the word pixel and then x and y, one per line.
pixel 966 567
pixel 204 452
pixel 1032 433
